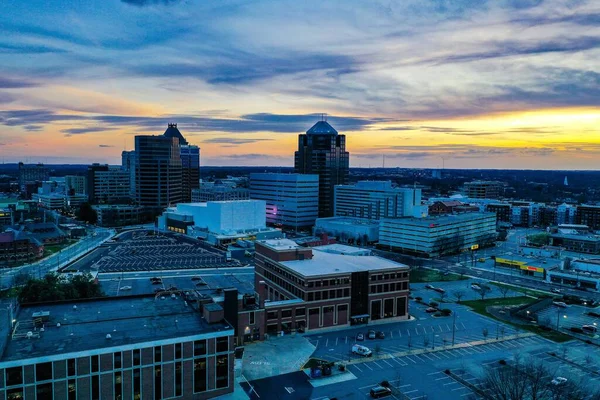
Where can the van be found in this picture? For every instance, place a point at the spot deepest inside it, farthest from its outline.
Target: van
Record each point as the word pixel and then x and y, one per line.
pixel 589 328
pixel 361 350
pixel 380 391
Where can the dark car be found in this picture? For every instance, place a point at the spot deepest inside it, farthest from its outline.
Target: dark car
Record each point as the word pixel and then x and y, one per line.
pixel 439 290
pixel 371 334
pixel 360 337
pixel 380 335
pixel 380 391
pixel 431 310
pixel 429 287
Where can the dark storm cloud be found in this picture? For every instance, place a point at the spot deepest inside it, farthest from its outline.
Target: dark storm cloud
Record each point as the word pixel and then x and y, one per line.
pixel 233 141
pixel 105 145
pixel 11 83
pixel 144 3
pixel 81 131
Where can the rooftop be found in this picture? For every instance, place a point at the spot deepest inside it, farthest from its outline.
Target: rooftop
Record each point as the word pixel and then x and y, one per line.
pixel 280 244
pixel 337 248
pixel 323 263
pixel 173 132
pixel 84 327
pixel 349 221
pixel 574 236
pixel 321 128
pixel 443 219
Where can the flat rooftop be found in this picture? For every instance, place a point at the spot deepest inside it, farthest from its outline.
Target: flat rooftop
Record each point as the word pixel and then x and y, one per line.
pixel 442 219
pixel 127 320
pixel 324 263
pixel 337 248
pixel 280 244
pixel 349 221
pixel 584 238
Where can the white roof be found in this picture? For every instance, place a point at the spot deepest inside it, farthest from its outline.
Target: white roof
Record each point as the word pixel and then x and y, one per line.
pixel 280 244
pixel 324 263
pixel 337 248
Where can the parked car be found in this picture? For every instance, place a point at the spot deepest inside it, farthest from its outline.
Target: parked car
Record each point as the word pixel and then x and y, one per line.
pixel 431 310
pixel 361 350
pixel 559 380
pixel 429 287
pixel 590 328
pixel 555 290
pixel 380 391
pixel 439 290
pixel 371 334
pixel 125 288
pixel 196 278
pixel 560 304
pixel 475 286
pixel 380 335
pixel 360 337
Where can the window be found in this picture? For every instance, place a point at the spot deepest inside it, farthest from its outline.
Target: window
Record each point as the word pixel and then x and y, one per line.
pixel 43 372
pixel 14 376
pixel 72 389
pixel 117 360
pixel 272 315
pixel 300 311
pixel 311 296
pixel 95 387
pixel 222 371
pixel 71 367
pixel 137 384
pixel 346 292
pixel 318 284
pixel 286 314
pixel 311 284
pixel 157 382
pixel 317 295
pixel 199 348
pixel 200 375
pixel 136 357
pixel 332 282
pixel 178 353
pixel 157 354
pixel 118 381
pixel 340 293
pixel 178 379
pixel 14 394
pixel 44 391
pixel 222 344
pixel 95 363
pixel 251 317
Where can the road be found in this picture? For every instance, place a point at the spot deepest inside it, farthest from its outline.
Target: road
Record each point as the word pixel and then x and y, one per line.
pixel 56 260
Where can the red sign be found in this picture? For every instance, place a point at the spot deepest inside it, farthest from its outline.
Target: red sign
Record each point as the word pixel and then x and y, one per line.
pixel 532 268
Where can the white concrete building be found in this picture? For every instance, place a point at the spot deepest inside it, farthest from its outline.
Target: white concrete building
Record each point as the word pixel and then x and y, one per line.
pixel 348 229
pixel 219 222
pixel 292 199
pixel 376 200
pixel 434 236
pixel 75 183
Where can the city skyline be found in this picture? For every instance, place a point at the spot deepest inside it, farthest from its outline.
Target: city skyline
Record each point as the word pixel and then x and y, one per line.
pixel 507 84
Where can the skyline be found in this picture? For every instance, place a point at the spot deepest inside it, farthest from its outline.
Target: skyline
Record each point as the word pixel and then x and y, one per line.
pixel 503 84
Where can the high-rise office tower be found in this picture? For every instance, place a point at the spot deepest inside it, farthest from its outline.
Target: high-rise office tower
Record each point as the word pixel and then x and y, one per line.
pixel 190 163
pixel 322 151
pixel 157 171
pixel 31 173
pixel 128 164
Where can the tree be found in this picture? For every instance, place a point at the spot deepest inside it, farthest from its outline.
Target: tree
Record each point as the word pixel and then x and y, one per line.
pixel 458 294
pixel 87 214
pixel 504 290
pixel 425 341
pixel 52 288
pixel 485 333
pixel 484 291
pixel 409 343
pixel 442 296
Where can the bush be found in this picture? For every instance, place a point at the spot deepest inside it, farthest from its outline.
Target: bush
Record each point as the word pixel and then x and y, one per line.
pixel 385 384
pixel 502 362
pixel 419 299
pixel 576 329
pixel 434 304
pixel 447 372
pixel 446 311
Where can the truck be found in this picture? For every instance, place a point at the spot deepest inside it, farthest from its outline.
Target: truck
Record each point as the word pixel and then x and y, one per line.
pixel 361 350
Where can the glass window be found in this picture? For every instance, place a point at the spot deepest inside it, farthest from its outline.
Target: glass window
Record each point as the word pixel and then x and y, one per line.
pixel 157 382
pixel 251 316
pixel 311 284
pixel 118 383
pixel 95 387
pixel 117 360
pixel 300 311
pixel 346 292
pixel 44 391
pixel 43 372
pixel 200 375
pixel 137 384
pixel 317 295
pixel 157 354
pixel 72 389
pixel 178 379
pixel 136 357
pixel 311 296
pixel 95 363
pixel 14 376
pixel 178 352
pixel 14 394
pixel 222 371
pixel 286 314
pixel 222 344
pixel 272 315
pixel 199 348
pixel 71 371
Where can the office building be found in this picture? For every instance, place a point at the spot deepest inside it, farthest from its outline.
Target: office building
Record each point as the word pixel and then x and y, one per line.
pixel 75 184
pixel 292 199
pixel 190 163
pixel 566 214
pixel 219 222
pixel 588 215
pixel 157 171
pixel 111 215
pixel 377 199
pixel 108 184
pixel 322 151
pixel 502 210
pixel 583 274
pixel 358 231
pixel 306 289
pixel 117 348
pixel 218 191
pixel 436 236
pixel 128 164
pixel 18 246
pixel 32 173
pixel 484 189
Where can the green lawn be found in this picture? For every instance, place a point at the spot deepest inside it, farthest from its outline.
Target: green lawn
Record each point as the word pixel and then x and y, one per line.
pixel 480 307
pixel 424 275
pixel 50 249
pixel 525 291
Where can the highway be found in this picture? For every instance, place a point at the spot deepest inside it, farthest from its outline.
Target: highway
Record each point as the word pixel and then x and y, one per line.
pixel 57 260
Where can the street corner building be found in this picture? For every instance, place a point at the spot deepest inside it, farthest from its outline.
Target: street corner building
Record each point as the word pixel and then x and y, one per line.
pixel 306 289
pixel 144 347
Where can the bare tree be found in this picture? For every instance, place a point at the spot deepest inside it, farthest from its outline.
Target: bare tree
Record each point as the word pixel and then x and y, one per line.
pixel 458 295
pixel 442 296
pixel 409 344
pixel 485 333
pixel 504 290
pixel 425 341
pixel 484 291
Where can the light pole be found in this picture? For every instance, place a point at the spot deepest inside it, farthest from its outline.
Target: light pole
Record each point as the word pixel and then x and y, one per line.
pixel 558 319
pixel 453 327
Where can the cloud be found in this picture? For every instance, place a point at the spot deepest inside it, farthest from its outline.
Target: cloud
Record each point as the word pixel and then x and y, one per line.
pixel 8 83
pixel 33 128
pixel 144 3
pixel 105 145
pixel 81 131
pixel 234 141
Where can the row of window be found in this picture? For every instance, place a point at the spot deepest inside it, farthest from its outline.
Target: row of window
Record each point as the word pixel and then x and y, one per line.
pixel 385 277
pixel 299 312
pixel 388 287
pixel 329 294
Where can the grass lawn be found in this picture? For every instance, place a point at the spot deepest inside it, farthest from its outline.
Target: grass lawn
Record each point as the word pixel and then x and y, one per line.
pixel 480 307
pixel 525 291
pixel 423 275
pixel 313 362
pixel 50 249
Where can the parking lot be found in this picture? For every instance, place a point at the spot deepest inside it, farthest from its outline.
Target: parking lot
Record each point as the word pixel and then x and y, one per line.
pixel 461 288
pixel 145 252
pixel 572 316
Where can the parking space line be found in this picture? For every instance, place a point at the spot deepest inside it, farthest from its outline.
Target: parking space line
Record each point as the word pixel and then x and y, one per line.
pixel 375 362
pixel 434 373
pixel 367 366
pixel 387 363
pixel 414 362
pixel 356 366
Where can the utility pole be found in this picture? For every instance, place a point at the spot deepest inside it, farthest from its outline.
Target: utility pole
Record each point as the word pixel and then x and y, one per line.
pixel 453 327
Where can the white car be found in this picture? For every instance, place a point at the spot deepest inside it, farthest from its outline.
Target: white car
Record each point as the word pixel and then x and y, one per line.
pixel 475 286
pixel 560 304
pixel 559 380
pixel 125 288
pixel 361 350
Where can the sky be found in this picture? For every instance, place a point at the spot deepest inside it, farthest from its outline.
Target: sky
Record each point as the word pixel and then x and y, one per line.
pixel 425 83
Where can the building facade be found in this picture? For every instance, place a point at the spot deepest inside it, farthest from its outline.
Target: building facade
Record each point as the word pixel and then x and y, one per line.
pixel 306 289
pixel 359 231
pixel 108 184
pixel 588 215
pixel 128 164
pixel 190 163
pixel 218 191
pixel 484 189
pixel 120 215
pixel 375 200
pixel 322 151
pixel 75 184
pixel 32 173
pixel 292 200
pixel 157 171
pixel 436 236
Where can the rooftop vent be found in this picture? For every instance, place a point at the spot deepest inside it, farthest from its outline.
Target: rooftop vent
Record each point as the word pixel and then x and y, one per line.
pixel 108 336
pixel 29 335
